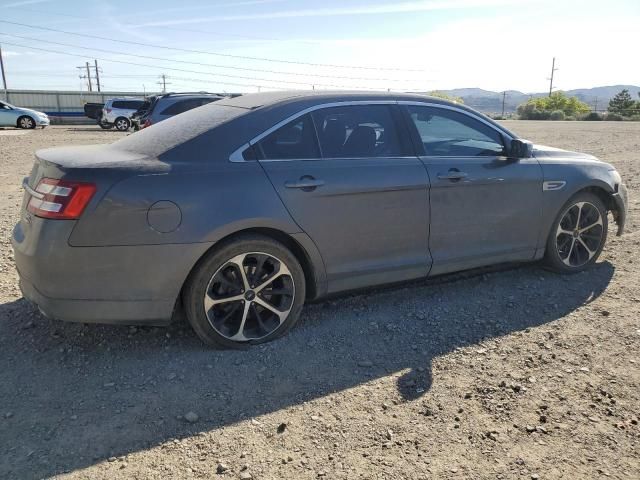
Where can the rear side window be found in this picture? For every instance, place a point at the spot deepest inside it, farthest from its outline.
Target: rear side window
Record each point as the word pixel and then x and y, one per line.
pixel 127 104
pixel 358 131
pixel 295 140
pixel 447 133
pixel 182 106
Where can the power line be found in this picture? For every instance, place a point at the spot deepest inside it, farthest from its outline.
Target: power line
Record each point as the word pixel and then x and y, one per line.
pixel 202 64
pixel 191 71
pixel 150 66
pixel 227 55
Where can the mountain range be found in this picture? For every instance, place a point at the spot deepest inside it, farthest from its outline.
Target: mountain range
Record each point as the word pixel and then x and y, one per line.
pixel 487 101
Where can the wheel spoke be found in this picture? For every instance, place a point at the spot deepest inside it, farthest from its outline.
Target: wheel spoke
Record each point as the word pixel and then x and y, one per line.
pixel 255 278
pixel 579 205
pixel 239 336
pixel 594 224
pixel 239 264
pixel 567 260
pixel 210 302
pixel 584 245
pixel 264 304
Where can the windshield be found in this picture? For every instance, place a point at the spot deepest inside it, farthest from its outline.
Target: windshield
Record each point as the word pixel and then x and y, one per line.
pixel 6 105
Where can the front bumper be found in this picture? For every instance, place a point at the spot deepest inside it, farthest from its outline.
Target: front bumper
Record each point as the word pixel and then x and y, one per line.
pixel 621 200
pixel 42 122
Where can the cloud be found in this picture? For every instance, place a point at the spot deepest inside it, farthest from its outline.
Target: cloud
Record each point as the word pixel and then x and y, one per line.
pixel 376 9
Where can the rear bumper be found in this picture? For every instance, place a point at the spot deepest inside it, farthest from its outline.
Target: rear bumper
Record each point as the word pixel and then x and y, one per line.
pixel 620 199
pixel 149 312
pixel 120 284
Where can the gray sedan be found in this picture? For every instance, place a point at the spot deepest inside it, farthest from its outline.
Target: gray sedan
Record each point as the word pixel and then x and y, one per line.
pixel 239 211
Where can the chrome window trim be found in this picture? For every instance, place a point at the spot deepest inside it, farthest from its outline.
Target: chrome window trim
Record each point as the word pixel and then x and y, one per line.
pixel 236 156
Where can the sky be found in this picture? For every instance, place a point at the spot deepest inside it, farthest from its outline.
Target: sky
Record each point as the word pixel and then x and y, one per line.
pixel 258 45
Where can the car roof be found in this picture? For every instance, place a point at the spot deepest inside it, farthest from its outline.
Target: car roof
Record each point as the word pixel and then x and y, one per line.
pixel 256 100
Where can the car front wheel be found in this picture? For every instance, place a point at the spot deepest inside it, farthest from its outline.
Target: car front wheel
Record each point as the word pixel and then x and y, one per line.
pixel 578 234
pixel 26 122
pixel 247 292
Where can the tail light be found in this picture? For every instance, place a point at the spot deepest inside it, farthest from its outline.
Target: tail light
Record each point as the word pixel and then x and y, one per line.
pixel 60 199
pixel 108 110
pixel 147 123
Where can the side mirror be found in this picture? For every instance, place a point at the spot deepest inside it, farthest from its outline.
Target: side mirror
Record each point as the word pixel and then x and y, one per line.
pixel 520 149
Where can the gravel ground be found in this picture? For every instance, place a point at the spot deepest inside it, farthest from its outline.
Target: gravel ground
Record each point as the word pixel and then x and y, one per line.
pixel 516 373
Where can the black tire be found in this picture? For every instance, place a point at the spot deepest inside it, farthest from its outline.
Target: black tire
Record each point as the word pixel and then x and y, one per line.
pixel 556 258
pixel 26 122
pixel 218 262
pixel 122 124
pixel 105 126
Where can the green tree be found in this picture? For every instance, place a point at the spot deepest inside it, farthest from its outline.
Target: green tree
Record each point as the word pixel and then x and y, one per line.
pixel 540 108
pixel 445 96
pixel 622 103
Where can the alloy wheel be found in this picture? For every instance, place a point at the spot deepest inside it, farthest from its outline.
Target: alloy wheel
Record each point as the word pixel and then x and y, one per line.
pixel 249 297
pixel 122 125
pixel 579 234
pixel 26 122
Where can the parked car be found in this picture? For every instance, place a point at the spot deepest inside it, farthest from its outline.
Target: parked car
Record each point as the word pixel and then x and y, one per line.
pixel 240 211
pixel 171 104
pixel 117 113
pixel 142 111
pixel 12 116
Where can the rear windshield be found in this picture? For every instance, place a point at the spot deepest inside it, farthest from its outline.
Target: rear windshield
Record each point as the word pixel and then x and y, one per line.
pixel 159 138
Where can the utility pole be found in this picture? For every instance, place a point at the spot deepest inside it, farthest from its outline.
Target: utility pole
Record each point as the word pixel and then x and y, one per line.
pixel 595 107
pixel 553 70
pixel 163 82
pixel 97 74
pixel 89 77
pixel 4 78
pixel 504 98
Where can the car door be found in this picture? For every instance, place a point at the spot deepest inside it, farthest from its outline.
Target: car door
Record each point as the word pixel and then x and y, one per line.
pixel 349 177
pixel 7 116
pixel 485 207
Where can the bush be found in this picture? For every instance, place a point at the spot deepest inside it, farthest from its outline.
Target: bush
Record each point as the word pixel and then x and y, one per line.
pixel 614 117
pixel 570 118
pixel 557 115
pixel 634 118
pixel 592 117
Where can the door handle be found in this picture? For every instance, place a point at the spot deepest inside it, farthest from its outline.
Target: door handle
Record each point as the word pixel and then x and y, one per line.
pixel 453 174
pixel 306 183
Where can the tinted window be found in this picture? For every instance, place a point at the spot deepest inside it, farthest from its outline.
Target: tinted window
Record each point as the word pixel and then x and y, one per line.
pixel 358 131
pixel 127 104
pixel 447 133
pixel 182 106
pixel 297 139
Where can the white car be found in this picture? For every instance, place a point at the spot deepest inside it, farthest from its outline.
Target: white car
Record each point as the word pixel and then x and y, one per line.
pixel 117 113
pixel 11 116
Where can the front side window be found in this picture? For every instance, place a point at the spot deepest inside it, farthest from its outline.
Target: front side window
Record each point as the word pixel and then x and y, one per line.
pixel 357 131
pixel 447 133
pixel 295 140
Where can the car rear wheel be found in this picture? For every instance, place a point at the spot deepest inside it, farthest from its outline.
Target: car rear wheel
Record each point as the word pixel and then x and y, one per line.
pixel 247 292
pixel 578 234
pixel 26 122
pixel 122 124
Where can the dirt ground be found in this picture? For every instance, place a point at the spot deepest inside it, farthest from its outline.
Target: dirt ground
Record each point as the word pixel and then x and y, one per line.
pixel 508 374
